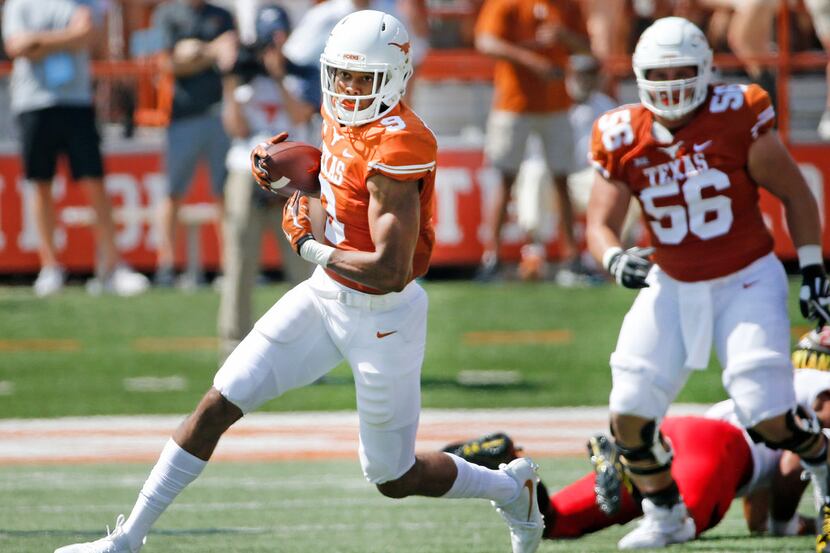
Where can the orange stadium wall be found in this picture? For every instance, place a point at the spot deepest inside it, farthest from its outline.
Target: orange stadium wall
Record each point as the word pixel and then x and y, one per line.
pixel 136 182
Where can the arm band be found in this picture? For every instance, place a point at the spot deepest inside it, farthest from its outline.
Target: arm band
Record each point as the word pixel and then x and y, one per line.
pixel 810 255
pixel 314 251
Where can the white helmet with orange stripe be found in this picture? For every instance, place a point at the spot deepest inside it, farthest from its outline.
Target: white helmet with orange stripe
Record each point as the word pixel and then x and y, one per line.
pixel 672 42
pixel 366 41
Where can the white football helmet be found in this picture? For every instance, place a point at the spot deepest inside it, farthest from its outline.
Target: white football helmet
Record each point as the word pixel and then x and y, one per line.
pixel 366 41
pixel 672 42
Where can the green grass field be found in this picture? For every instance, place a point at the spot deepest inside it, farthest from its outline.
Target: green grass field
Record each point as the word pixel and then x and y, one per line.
pixel 292 508
pixel 90 346
pixel 72 354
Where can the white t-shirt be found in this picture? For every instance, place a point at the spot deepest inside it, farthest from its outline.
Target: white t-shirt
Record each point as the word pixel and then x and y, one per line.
pixel 308 39
pixel 262 106
pixel 582 117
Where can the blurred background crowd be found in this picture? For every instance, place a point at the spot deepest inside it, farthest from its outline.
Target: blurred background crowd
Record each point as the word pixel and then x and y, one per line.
pixel 202 82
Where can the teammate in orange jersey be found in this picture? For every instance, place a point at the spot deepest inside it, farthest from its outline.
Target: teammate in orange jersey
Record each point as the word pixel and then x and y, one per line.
pixel 361 305
pixel 694 155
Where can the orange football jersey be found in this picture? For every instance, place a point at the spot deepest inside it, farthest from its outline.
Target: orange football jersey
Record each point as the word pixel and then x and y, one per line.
pixel 399 146
pixel 699 203
pixel 524 22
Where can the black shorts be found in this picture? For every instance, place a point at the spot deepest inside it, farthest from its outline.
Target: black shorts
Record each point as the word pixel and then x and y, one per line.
pixel 48 132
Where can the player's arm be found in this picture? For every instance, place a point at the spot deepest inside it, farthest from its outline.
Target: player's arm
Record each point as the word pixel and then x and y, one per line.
pixel 394 219
pixel 756 507
pixel 771 166
pixel 39 44
pixel 607 208
pixel 786 490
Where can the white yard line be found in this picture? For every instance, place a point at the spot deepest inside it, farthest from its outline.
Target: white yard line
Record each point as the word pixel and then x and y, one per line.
pixel 282 436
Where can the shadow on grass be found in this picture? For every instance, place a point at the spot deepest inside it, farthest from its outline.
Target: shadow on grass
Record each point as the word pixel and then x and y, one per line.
pixel 95 534
pixel 435 383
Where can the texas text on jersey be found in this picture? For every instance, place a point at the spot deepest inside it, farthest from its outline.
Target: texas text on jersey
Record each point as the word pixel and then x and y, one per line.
pixel 399 146
pixel 697 197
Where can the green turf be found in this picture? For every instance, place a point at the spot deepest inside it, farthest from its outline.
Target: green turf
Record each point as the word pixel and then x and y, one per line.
pixel 90 381
pixel 292 508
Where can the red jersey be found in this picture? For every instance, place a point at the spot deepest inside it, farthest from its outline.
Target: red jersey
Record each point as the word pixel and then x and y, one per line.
pixel 699 203
pixel 399 146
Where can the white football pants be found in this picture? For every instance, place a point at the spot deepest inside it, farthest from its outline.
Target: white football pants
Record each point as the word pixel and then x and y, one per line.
pixel 670 329
pixel 318 324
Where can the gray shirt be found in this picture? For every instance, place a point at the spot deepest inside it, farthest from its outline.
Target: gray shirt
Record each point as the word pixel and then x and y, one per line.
pixel 60 79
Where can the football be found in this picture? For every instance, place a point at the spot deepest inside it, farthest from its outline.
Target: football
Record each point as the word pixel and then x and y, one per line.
pixel 292 166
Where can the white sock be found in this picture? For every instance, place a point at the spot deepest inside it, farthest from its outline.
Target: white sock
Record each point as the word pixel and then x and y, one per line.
pixel 477 481
pixel 175 469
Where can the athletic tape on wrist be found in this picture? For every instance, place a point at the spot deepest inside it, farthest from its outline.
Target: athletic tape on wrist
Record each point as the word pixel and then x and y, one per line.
pixel 809 255
pixel 315 252
pixel 608 255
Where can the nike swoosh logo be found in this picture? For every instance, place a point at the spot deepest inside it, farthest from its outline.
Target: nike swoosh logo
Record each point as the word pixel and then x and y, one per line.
pixel 348 154
pixel 703 146
pixel 748 284
pixel 385 334
pixel 529 486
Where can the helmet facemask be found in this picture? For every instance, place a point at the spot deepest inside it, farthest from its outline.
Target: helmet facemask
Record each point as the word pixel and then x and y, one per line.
pixel 388 86
pixel 672 99
pixel 672 42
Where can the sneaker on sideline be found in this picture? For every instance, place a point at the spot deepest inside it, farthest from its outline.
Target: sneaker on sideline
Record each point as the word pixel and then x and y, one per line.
pixel 522 514
pixel 659 527
pixel 50 280
pixel 824 126
pixel 122 281
pixel 114 542
pixel 489 268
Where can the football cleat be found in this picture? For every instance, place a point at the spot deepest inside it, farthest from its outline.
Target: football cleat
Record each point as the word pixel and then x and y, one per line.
pixel 609 474
pixel 823 526
pixel 522 514
pixel 659 527
pixel 491 451
pixel 114 542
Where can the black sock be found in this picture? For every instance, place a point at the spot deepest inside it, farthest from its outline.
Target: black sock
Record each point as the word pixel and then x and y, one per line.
pixel 666 498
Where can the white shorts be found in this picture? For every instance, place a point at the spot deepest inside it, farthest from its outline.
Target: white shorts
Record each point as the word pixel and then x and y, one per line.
pixel 743 314
pixel 507 135
pixel 318 324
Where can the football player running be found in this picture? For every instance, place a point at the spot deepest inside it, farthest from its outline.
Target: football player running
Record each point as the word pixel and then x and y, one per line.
pixel 361 305
pixel 694 155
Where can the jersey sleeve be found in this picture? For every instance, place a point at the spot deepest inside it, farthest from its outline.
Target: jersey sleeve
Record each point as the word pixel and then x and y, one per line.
pixel 759 109
pixel 602 157
pixel 405 155
pixel 495 18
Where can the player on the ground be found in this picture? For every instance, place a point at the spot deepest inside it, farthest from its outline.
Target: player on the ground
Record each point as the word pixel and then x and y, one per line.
pixel 361 305
pixel 694 155
pixel 717 461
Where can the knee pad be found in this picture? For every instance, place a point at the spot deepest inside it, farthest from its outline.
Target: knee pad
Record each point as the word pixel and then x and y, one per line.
pixel 805 432
pixel 652 456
